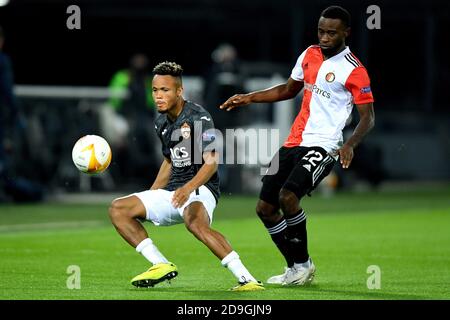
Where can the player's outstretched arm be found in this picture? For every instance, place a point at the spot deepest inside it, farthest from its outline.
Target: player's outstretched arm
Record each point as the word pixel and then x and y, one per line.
pixel 163 175
pixel 365 124
pixel 280 92
pixel 203 175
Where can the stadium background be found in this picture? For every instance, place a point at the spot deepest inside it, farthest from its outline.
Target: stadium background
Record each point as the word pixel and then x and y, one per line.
pixel 61 80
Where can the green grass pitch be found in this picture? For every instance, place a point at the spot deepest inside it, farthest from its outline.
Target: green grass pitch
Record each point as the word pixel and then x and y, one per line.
pixel 405 234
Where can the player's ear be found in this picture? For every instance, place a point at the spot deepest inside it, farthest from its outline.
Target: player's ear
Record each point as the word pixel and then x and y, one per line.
pixel 347 32
pixel 179 91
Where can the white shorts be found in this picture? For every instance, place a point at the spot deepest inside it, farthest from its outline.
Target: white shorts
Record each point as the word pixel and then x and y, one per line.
pixel 161 212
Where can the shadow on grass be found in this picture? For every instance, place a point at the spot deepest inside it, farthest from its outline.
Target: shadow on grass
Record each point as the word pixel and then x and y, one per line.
pixel 348 294
pixel 274 292
pixel 198 293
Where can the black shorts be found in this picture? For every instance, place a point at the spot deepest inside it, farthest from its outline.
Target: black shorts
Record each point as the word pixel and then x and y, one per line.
pixel 299 169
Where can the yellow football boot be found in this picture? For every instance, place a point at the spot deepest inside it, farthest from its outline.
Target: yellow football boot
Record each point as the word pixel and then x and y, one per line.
pixel 249 286
pixel 156 274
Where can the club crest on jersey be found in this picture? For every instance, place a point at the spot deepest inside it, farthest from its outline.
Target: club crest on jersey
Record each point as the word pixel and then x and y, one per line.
pixel 185 130
pixel 330 77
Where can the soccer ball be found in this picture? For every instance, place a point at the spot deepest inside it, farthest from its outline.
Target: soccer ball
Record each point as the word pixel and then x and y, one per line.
pixel 91 154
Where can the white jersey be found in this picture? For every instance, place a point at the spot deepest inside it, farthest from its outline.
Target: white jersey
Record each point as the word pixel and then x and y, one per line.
pixel 331 88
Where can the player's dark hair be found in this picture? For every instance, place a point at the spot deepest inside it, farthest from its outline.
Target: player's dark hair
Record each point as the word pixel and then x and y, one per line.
pixel 337 12
pixel 168 68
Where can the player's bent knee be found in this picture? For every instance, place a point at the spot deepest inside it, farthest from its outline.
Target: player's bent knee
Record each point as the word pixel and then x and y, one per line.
pixel 288 200
pixel 114 211
pixel 117 210
pixel 266 211
pixel 199 231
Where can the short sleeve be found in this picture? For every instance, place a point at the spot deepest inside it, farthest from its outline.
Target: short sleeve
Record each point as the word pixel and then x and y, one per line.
pixel 358 83
pixel 205 132
pixel 165 151
pixel 164 148
pixel 297 72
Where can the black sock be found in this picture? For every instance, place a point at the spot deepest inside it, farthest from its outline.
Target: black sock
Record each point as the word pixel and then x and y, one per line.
pixel 279 235
pixel 297 236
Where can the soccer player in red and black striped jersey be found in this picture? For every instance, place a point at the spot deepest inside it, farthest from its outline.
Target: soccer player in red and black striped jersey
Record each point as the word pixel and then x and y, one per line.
pixel 333 80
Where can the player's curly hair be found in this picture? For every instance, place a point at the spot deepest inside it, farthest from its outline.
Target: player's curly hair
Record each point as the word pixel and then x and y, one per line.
pixel 168 68
pixel 337 12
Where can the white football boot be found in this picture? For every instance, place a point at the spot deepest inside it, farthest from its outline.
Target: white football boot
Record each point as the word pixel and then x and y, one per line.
pixel 279 279
pixel 299 276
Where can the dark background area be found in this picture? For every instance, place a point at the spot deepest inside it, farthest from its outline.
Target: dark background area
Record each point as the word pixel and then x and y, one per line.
pixel 407 58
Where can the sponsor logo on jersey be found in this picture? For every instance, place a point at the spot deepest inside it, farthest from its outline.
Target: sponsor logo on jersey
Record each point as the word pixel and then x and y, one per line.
pixel 330 77
pixel 179 153
pixel 366 89
pixel 205 118
pixel 180 157
pixel 315 89
pixel 185 130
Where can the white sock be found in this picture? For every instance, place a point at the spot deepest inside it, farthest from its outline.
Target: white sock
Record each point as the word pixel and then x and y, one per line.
pixel 306 265
pixel 150 252
pixel 235 265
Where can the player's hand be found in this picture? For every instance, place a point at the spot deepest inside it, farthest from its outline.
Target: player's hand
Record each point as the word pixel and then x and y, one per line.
pixel 180 196
pixel 236 101
pixel 345 155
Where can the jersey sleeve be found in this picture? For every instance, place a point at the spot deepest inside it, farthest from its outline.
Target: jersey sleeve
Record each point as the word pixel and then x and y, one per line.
pixel 164 147
pixel 205 133
pixel 297 72
pixel 165 150
pixel 358 83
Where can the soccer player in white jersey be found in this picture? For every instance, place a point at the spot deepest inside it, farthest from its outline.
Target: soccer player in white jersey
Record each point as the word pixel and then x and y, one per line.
pixel 334 80
pixel 186 189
